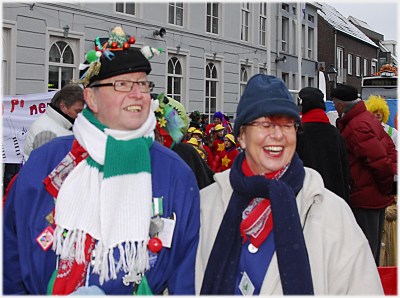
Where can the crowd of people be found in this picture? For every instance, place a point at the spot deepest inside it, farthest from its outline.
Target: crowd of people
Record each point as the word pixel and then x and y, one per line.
pixel 144 198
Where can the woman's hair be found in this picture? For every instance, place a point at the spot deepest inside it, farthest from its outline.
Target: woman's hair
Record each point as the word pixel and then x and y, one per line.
pixel 376 103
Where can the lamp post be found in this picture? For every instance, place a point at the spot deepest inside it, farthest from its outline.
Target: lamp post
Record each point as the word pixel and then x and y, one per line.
pixel 331 72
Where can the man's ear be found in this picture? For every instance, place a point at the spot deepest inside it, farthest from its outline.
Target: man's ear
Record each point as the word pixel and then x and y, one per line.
pixel 90 99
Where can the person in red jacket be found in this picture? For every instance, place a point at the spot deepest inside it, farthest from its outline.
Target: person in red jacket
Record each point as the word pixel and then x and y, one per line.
pixel 227 156
pixel 218 144
pixel 373 163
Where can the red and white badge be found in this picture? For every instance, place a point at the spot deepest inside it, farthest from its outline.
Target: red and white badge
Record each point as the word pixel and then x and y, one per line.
pixel 46 238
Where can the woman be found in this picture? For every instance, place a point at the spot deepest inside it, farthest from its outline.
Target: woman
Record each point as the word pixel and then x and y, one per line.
pixel 268 225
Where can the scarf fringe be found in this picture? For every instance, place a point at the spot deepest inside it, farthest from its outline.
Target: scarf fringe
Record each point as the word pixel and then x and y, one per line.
pixel 133 258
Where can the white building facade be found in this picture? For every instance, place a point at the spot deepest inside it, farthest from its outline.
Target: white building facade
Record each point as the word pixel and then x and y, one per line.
pixel 210 49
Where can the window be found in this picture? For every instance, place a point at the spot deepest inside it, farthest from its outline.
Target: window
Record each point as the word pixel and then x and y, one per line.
pixel 125 7
pixel 285 7
pixel 263 24
pixel 339 63
pixel 244 77
pixel 310 48
pixel 175 77
pixel 285 34
pixel 374 66
pixel 212 17
pixel 61 65
pixel 365 68
pixel 285 78
pixel 262 68
pixel 8 58
pixel 311 18
pixel 211 88
pixel 303 40
pixel 310 81
pixel 358 66
pixel 175 13
pixel 244 30
pixel 293 43
pixel 350 64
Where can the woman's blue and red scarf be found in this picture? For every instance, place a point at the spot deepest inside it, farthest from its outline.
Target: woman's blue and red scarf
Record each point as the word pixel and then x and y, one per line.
pixel 294 267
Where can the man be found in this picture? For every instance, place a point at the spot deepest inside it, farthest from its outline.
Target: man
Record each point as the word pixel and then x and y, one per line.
pixel 58 120
pixel 373 163
pixel 268 224
pixel 320 145
pixel 122 210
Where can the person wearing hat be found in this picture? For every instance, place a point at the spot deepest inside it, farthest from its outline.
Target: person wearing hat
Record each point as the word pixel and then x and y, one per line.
pixel 195 143
pixel 198 135
pixel 320 145
pixel 218 143
pixel 189 132
pixel 226 157
pixel 107 210
pixel 373 163
pixel 172 121
pixel 268 224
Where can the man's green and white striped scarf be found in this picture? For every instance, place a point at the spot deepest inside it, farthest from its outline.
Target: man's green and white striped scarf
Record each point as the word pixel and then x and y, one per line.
pixel 108 196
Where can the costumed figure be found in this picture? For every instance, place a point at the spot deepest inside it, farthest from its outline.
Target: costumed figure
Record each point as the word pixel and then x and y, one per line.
pixel 107 210
pixel 268 224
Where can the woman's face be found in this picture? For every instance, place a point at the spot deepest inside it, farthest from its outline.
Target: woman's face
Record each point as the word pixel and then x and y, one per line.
pixel 270 146
pixel 378 115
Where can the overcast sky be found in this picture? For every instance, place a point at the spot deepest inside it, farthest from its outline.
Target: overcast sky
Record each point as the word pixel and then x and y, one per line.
pixel 381 16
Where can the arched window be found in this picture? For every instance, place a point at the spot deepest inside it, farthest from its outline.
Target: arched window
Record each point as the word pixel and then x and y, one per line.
pixel 61 65
pixel 243 78
pixel 211 89
pixel 175 76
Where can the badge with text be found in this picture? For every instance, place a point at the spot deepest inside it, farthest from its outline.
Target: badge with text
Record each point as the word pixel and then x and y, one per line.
pixel 45 239
pixel 168 231
pixel 246 286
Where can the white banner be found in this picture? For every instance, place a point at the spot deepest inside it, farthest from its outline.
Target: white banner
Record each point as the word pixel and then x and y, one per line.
pixel 19 112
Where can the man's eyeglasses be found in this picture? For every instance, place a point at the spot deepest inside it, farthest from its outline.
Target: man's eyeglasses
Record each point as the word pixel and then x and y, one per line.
pixel 126 86
pixel 269 127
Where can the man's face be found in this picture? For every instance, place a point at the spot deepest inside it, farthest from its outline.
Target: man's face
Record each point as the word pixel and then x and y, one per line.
pixel 73 110
pixel 338 106
pixel 116 109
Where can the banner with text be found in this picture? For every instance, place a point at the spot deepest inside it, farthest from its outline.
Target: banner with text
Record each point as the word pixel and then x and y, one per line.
pixel 19 112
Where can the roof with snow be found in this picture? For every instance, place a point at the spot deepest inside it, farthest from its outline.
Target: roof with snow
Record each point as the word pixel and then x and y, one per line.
pixel 340 23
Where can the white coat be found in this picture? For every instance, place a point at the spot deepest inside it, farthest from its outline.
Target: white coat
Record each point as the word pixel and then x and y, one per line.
pixel 47 127
pixel 340 258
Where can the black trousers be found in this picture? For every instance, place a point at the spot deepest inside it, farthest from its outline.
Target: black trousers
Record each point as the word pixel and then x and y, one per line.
pixel 371 222
pixel 9 171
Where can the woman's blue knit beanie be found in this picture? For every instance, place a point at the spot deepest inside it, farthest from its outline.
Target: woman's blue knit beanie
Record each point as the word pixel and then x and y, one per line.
pixel 263 96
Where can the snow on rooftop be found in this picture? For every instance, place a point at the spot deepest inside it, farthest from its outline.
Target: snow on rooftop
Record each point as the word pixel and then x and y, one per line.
pixel 340 23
